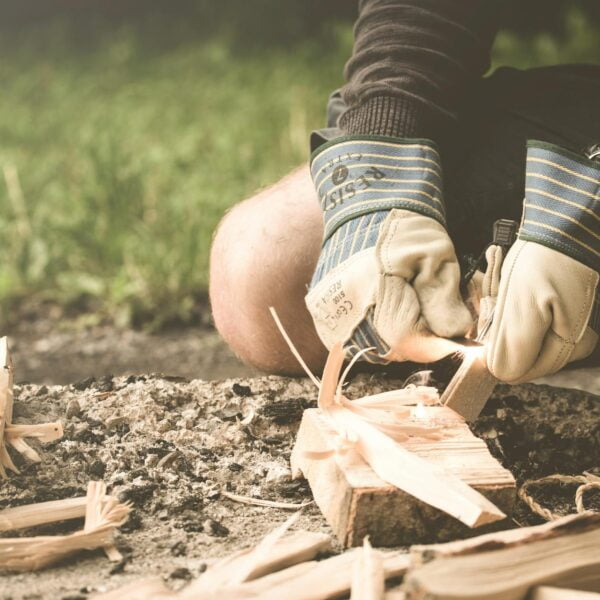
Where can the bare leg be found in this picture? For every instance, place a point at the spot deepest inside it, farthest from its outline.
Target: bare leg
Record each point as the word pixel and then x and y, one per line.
pixel 264 253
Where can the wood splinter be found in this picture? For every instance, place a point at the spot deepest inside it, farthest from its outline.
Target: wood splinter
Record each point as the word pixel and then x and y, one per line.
pixel 11 434
pixel 103 514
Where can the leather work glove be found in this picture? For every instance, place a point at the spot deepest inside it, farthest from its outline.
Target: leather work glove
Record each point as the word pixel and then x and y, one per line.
pixel 548 308
pixel 490 286
pixel 387 276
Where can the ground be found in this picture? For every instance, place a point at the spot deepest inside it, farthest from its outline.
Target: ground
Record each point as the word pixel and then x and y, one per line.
pixel 170 446
pixel 47 351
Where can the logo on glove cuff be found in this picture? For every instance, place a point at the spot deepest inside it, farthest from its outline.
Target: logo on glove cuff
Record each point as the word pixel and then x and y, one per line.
pixel 338 195
pixel 339 175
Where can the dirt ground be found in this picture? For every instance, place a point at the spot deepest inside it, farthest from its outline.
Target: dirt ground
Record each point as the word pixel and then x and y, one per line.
pixel 170 446
pixel 172 441
pixel 59 351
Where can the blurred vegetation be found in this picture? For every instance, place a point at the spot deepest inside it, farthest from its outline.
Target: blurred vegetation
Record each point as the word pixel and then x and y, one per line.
pixel 127 129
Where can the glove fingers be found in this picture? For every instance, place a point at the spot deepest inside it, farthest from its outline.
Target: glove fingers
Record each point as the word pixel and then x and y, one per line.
pixel 585 346
pixel 397 318
pixel 540 318
pixel 491 279
pixel 519 326
pixel 441 304
pixel 423 347
pixel 556 353
pixel 419 250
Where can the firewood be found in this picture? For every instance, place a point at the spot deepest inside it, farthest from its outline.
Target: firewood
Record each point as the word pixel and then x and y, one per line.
pixel 11 434
pixel 6 404
pixel 368 579
pixel 567 557
pixel 227 577
pixel 281 566
pixel 102 515
pixel 375 435
pixel 545 592
pixel 357 502
pixel 471 386
pixel 365 434
pixel 274 552
pixel 31 515
pixel 504 539
pixel 315 580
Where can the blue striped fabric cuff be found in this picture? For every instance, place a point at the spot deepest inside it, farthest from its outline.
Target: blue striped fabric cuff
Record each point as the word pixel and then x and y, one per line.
pixel 366 336
pixel 562 203
pixel 359 175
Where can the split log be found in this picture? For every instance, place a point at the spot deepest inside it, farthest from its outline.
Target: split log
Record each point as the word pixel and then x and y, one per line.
pixel 499 540
pixel 471 386
pixel 356 502
pixel 553 593
pixel 273 553
pixel 330 578
pixel 566 556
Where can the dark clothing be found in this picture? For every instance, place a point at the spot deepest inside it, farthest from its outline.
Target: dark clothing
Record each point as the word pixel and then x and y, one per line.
pixel 484 167
pixel 414 64
pixel 417 72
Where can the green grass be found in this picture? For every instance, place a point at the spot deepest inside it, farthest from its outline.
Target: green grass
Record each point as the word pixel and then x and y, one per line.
pixel 127 156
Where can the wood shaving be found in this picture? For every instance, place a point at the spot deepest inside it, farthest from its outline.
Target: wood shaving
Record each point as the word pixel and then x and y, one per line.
pixel 103 515
pixel 266 503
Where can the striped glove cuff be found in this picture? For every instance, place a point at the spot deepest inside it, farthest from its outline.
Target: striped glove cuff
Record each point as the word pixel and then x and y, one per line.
pixel 562 203
pixel 359 179
pixel 360 175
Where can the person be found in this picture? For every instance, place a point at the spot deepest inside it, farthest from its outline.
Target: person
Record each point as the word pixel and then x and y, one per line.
pixel 421 154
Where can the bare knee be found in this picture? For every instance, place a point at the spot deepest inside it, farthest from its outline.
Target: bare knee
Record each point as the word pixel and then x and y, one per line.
pixel 263 254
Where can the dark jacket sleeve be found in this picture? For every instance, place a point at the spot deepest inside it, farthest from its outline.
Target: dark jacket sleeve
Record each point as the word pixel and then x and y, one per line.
pixel 414 61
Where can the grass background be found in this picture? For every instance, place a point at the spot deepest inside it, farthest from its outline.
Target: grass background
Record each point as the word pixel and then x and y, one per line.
pixel 121 146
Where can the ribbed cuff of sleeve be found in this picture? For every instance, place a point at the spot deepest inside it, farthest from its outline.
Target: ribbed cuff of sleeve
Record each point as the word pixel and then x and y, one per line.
pixel 394 116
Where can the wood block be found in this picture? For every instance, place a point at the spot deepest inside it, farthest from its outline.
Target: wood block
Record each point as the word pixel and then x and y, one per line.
pixel 356 502
pixel 470 388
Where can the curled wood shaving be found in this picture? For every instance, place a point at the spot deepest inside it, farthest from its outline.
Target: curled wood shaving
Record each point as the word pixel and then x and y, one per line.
pixel 266 503
pixel 103 514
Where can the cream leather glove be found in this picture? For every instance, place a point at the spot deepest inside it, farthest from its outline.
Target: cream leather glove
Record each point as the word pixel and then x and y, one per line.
pixel 490 286
pixel 388 276
pixel 548 308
